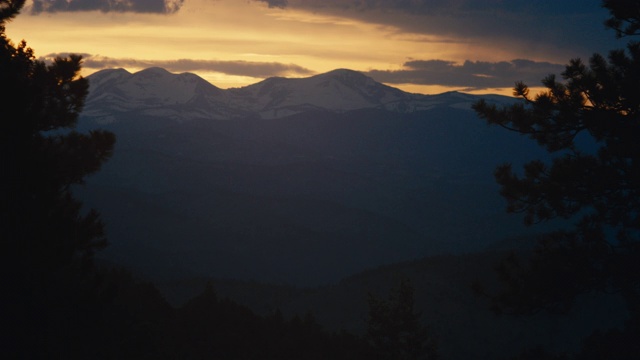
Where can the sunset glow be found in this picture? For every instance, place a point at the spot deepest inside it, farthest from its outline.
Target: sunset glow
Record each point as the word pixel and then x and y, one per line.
pixel 236 43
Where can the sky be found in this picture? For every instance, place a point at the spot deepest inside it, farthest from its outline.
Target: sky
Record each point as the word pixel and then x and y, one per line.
pixel 420 46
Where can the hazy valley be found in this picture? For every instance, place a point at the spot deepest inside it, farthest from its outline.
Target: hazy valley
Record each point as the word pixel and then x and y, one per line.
pixel 305 199
pixel 213 184
pixel 244 202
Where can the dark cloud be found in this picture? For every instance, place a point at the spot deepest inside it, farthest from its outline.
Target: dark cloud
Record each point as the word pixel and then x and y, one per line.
pixel 470 75
pixel 403 5
pixel 474 75
pixel 242 68
pixel 239 68
pixel 568 27
pixel 275 3
pixel 446 7
pixel 140 6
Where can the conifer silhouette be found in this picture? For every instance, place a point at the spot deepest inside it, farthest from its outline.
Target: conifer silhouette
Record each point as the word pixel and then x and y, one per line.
pixel 590 121
pixel 48 241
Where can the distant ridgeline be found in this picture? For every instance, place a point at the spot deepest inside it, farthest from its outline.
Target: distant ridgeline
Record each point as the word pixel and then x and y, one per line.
pixel 298 181
pixel 157 92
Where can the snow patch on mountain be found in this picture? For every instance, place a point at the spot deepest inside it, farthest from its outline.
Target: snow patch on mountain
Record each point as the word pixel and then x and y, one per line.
pixel 157 92
pixel 339 90
pixel 153 92
pixel 153 86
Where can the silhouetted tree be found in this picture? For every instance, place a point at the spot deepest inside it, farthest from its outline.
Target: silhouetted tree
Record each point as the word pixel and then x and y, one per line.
pixel 625 17
pixel 137 322
pixel 213 328
pixel 591 122
pixel 47 241
pixel 619 344
pixel 394 328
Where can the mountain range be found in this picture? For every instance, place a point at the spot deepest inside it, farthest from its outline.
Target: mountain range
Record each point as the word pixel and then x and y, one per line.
pixel 307 195
pixel 157 92
pixel 296 181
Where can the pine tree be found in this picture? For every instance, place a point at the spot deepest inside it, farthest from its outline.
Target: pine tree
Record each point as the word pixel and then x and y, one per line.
pixel 48 240
pixel 590 122
pixel 394 329
pixel 597 184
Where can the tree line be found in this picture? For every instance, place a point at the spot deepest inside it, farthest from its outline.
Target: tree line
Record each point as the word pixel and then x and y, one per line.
pixel 56 303
pixel 590 122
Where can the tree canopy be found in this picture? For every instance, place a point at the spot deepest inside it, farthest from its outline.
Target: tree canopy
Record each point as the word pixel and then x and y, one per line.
pixel 54 302
pixel 48 239
pixel 590 122
pixel 394 328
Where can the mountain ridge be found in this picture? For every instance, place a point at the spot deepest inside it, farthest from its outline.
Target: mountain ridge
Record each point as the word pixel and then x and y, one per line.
pixel 334 172
pixel 157 92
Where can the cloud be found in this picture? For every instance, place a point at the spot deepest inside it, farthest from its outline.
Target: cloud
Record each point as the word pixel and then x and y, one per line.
pixel 239 68
pixel 475 75
pixel 569 27
pixel 470 75
pixel 442 7
pixel 139 6
pixel 275 3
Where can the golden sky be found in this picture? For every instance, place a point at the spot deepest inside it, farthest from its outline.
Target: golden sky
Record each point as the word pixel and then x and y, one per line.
pixel 234 43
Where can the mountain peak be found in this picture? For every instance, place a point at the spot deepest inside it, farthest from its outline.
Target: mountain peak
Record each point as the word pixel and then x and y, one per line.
pixel 110 72
pixel 101 77
pixel 151 91
pixel 153 71
pixel 343 72
pixel 347 76
pixel 154 90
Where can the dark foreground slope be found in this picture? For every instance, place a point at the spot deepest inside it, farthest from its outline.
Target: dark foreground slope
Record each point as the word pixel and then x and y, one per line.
pixel 201 187
pixel 460 320
pixel 305 199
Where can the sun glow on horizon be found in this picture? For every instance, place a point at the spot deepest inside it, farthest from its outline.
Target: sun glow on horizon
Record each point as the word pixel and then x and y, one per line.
pixel 223 32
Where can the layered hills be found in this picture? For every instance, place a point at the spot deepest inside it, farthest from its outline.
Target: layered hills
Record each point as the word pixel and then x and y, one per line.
pixel 296 181
pixel 305 195
pixel 187 96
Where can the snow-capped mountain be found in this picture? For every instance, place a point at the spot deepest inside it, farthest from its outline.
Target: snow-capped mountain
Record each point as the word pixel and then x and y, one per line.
pixel 338 90
pixel 345 174
pixel 157 92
